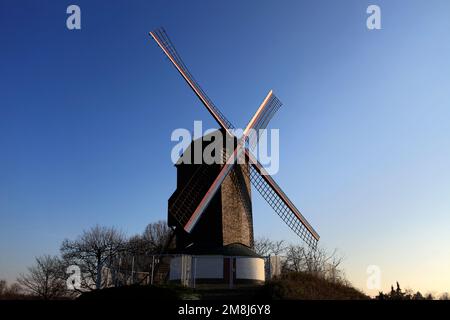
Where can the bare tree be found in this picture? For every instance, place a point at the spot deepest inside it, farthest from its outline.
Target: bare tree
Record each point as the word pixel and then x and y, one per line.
pixel 278 248
pixel 295 258
pixel 43 278
pixel 429 296
pixel 265 247
pixel 136 245
pixel 316 261
pixel 92 251
pixel 444 296
pixel 157 237
pixel 3 287
pixel 15 290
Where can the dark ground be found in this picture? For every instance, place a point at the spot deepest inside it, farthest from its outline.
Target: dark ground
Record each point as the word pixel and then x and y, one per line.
pixel 292 286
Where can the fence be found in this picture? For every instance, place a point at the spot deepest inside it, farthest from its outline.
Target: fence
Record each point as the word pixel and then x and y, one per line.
pixel 156 269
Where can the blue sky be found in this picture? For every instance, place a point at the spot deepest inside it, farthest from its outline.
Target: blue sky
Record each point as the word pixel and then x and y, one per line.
pixel 86 118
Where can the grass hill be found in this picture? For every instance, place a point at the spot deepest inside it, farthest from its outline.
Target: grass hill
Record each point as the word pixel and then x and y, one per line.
pixel 292 286
pixel 305 286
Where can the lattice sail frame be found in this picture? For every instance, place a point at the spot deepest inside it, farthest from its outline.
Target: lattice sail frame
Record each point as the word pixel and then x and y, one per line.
pixel 260 179
pixel 281 208
pixel 163 40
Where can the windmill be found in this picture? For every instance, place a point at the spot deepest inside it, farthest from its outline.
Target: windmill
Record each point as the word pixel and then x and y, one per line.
pixel 211 209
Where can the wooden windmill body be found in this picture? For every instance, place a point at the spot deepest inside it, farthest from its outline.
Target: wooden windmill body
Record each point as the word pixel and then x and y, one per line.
pixel 228 217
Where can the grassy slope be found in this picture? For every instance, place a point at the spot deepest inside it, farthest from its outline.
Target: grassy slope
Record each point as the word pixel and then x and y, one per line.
pixel 298 286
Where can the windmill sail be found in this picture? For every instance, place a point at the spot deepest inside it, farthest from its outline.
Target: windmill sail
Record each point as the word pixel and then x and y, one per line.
pixel 163 41
pixel 281 204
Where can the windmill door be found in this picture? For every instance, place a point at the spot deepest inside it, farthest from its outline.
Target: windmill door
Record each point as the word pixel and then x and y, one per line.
pixel 229 271
pixel 186 266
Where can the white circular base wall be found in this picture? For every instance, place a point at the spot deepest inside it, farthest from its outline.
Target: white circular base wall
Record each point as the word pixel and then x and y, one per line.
pixel 216 269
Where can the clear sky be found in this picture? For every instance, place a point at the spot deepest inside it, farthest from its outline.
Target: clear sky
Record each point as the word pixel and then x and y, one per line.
pixel 86 118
